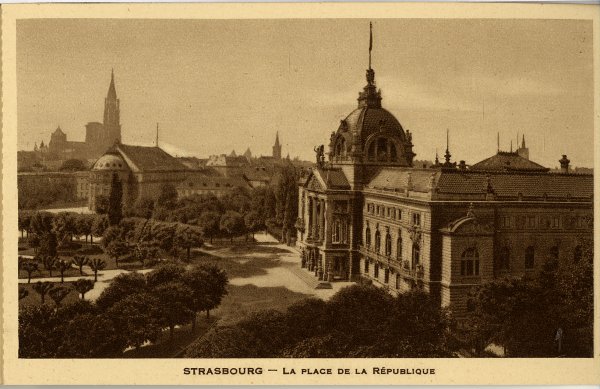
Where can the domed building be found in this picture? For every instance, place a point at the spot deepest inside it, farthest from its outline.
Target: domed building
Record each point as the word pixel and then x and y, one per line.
pixel 142 171
pixel 365 213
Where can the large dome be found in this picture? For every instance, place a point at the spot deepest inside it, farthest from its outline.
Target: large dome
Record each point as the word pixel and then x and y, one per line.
pixel 366 120
pixel 112 162
pixel 370 133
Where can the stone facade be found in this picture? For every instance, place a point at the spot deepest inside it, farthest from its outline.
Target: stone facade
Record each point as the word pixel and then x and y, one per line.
pixel 369 214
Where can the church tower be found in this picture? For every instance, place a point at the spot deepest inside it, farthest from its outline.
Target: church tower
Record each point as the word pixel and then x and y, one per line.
pixel 277 147
pixel 112 114
pixel 523 151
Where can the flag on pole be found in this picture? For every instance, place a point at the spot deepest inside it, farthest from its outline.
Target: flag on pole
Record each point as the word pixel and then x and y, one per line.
pixel 370 36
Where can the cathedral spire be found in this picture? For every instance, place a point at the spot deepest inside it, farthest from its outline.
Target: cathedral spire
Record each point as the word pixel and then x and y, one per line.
pixel 112 114
pixel 112 92
pixel 277 147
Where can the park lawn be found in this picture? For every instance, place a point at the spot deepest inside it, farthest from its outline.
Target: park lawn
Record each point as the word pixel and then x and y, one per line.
pixel 33 298
pixel 239 303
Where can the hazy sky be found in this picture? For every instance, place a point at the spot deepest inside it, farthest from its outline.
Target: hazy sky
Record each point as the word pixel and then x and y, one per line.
pixel 218 85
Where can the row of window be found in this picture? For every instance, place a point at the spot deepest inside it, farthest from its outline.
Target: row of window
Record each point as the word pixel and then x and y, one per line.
pixel 542 221
pixel 391 213
pixel 386 274
pixel 504 256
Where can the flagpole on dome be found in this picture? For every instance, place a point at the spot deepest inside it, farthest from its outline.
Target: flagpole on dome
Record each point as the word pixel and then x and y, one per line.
pixel 370 42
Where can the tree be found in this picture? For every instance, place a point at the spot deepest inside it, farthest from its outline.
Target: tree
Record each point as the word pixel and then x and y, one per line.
pixel 24 222
pixel 99 226
pixel 223 342
pixel 73 165
pixel 23 293
pixel 97 264
pixel 116 249
pixel 286 195
pixel 42 288
pixel 145 252
pixel 187 238
pixel 112 233
pixel 29 267
pixel 83 286
pixel 115 201
pixel 58 294
pixel 80 261
pixel 174 304
pixel 209 224
pixel 102 205
pixel 137 318
pixel 41 223
pixel 49 263
pixel 63 266
pixel 143 208
pixel 167 197
pixel 169 272
pixel 84 225
pixel 48 245
pixel 208 288
pixel 253 222
pixel 64 227
pixel 121 286
pixel 89 336
pixel 232 224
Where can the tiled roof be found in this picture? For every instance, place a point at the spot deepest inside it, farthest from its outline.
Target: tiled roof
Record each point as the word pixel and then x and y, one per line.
pixel 507 161
pixel 511 184
pixel 333 178
pixel 149 158
pixel 502 184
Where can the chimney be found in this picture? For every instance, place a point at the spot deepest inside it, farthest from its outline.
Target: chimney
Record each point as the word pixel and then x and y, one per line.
pixel 462 165
pixel 564 164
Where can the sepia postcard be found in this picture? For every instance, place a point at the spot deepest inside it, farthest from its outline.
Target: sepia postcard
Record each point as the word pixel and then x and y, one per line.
pixel 318 193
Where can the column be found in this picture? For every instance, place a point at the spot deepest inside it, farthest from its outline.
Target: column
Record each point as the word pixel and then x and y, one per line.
pixel 314 221
pixel 322 220
pixel 310 216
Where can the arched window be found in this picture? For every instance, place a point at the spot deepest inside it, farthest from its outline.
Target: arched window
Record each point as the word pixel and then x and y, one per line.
pixel 469 262
pixel 377 241
pixel 393 153
pixel 416 255
pixel 386 276
pixel 340 148
pixel 372 151
pixel 382 152
pixel 388 244
pixel 504 258
pixel 368 237
pixel 376 273
pixel 577 253
pixel 399 248
pixel 529 257
pixel 366 265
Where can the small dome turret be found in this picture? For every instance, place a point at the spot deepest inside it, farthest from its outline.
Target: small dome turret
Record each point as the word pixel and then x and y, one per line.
pixel 110 162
